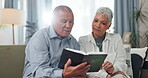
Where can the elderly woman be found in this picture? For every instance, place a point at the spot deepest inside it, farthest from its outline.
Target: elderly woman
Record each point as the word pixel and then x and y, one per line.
pixel 101 41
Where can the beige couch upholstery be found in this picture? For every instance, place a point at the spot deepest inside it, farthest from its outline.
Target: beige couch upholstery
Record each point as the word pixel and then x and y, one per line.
pixel 11 61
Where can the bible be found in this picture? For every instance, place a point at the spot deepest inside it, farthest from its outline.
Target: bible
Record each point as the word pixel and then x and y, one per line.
pixel 95 59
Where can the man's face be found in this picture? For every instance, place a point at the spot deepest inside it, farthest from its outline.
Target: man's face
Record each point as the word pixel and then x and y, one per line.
pixel 63 23
pixel 99 25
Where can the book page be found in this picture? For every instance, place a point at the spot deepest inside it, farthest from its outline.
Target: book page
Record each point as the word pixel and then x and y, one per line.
pixel 88 53
pixel 76 51
pixel 84 53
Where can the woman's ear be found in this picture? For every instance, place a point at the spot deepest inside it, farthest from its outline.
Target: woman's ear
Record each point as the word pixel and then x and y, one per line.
pixel 109 25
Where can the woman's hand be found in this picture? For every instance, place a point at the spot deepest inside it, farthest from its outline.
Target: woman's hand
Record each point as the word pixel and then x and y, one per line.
pixel 108 76
pixel 108 67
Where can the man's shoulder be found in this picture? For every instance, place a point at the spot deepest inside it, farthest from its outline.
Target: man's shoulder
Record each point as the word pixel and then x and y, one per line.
pixel 41 32
pixel 72 38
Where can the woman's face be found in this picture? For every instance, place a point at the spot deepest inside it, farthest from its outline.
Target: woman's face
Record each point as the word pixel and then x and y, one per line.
pixel 99 25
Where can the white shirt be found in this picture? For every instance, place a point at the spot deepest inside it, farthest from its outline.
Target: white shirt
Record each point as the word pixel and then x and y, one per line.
pixel 112 45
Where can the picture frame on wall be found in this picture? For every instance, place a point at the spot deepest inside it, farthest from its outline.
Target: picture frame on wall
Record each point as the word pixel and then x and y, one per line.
pixel 126 37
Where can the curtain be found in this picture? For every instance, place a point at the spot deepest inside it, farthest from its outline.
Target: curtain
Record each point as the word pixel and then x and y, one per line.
pixel 32 19
pixel 35 11
pixel 8 4
pixel 125 20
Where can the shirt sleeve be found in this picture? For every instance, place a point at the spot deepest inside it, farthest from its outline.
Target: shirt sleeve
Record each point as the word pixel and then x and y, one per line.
pixel 100 74
pixel 120 58
pixel 120 61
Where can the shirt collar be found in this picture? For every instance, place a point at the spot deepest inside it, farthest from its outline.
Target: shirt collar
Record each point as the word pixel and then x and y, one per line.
pixel 53 34
pixel 107 37
pixel 91 38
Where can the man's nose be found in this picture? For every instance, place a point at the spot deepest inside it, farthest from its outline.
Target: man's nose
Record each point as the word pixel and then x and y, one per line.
pixel 68 24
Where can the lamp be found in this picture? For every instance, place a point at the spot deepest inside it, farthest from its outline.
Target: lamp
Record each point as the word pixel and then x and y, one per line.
pixel 12 17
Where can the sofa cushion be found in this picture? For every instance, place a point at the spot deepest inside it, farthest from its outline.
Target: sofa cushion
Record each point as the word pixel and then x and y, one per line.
pixel 137 62
pixel 139 51
pixel 128 61
pixel 11 61
pixel 138 56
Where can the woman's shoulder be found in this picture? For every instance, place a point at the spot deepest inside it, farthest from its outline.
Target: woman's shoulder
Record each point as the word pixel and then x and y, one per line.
pixel 85 37
pixel 113 34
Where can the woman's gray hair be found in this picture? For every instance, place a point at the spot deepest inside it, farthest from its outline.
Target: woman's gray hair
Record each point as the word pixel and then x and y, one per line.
pixel 106 12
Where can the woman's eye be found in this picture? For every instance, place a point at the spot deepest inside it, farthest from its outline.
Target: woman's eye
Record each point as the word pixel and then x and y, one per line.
pixel 95 20
pixel 104 23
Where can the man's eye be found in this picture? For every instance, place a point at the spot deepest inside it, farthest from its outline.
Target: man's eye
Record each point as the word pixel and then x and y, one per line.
pixel 71 21
pixel 63 21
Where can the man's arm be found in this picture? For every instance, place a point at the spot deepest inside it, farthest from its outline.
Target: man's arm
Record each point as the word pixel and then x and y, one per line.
pixel 41 64
pixel 38 61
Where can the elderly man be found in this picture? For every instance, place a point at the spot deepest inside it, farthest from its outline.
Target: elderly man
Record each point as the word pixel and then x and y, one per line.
pixel 45 48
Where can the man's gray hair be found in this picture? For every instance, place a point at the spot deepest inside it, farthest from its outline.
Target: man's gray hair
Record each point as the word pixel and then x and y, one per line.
pixel 62 8
pixel 106 12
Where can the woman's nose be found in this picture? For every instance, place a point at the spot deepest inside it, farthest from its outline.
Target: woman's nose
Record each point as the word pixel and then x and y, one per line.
pixel 98 24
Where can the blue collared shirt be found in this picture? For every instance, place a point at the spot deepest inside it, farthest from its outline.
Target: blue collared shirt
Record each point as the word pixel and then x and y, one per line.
pixel 43 53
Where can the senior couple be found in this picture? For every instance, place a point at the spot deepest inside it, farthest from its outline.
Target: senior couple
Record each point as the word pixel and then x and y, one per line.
pixel 45 48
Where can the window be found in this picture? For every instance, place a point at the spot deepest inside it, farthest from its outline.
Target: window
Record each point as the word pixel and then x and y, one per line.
pixel 84 12
pixel 1 4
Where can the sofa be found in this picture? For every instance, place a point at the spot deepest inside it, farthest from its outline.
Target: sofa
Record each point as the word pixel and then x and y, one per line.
pixel 12 62
pixel 144 70
pixel 139 62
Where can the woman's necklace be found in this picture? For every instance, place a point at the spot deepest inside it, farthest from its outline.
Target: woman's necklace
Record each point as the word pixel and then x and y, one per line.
pixel 99 42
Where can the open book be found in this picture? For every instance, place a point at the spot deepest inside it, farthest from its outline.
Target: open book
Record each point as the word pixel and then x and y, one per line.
pixel 95 59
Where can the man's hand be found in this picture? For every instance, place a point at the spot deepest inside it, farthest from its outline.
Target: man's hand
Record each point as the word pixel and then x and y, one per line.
pixel 108 67
pixel 75 71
